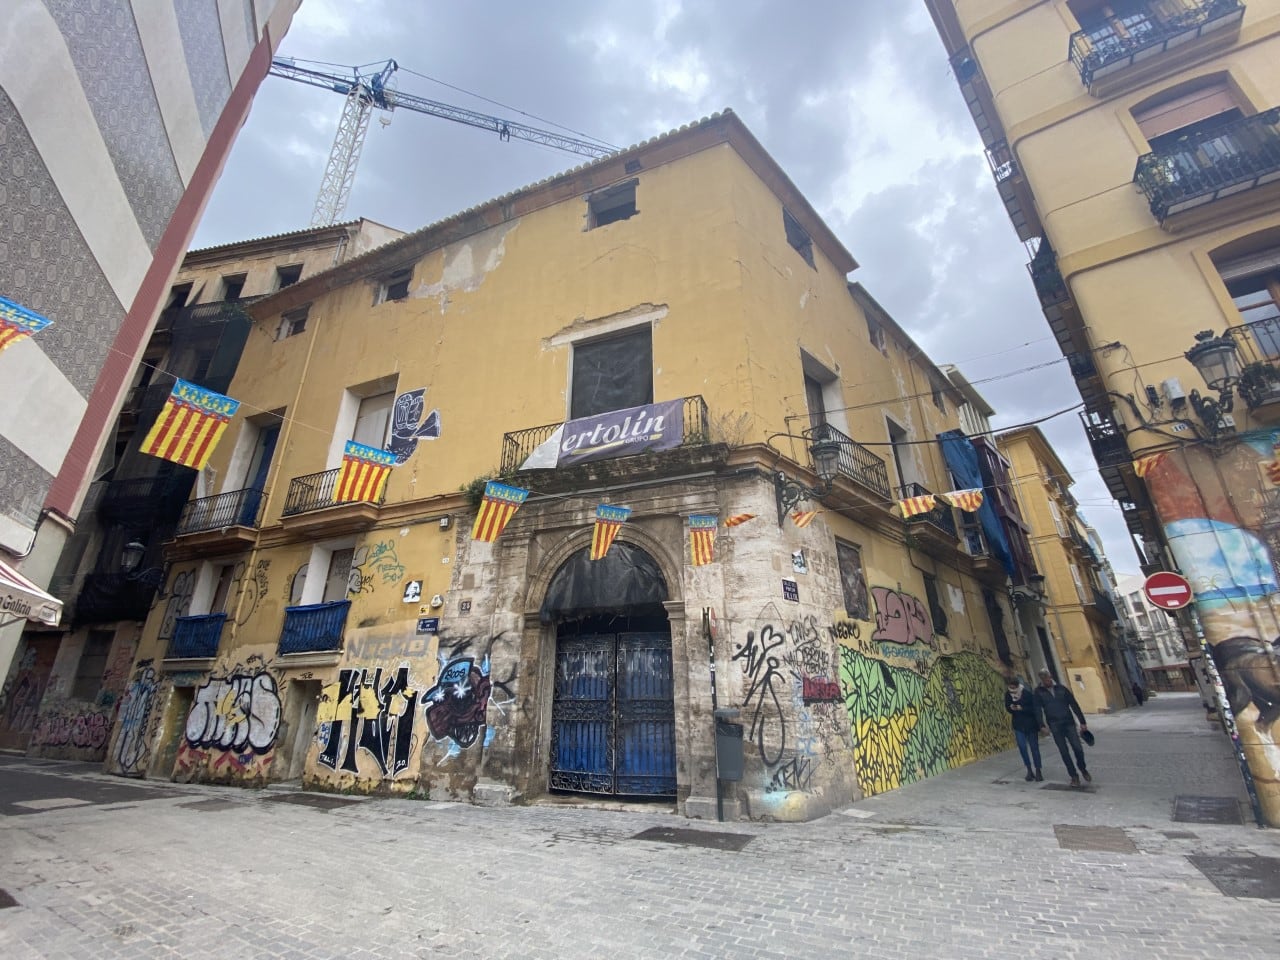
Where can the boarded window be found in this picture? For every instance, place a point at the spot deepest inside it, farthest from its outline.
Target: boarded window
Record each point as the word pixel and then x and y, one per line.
pixel 292 323
pixel 938 614
pixel 93 665
pixel 372 419
pixel 612 373
pixel 817 405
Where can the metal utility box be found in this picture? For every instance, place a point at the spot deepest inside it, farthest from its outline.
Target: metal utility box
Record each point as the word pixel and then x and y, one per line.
pixel 729 745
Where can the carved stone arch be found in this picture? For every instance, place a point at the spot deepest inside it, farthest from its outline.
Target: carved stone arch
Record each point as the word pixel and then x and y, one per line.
pixel 540 580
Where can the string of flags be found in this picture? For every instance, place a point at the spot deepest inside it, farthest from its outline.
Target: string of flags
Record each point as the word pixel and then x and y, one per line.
pixel 191 423
pixel 609 520
pixel 967 500
pixel 702 538
pixel 17 322
pixel 1144 465
pixel 364 473
pixel 498 506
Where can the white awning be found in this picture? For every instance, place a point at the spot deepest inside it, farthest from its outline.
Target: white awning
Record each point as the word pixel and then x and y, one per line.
pixel 20 599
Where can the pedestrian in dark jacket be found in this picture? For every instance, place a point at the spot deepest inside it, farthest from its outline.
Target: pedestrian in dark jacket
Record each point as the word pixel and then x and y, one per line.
pixel 1054 706
pixel 1021 707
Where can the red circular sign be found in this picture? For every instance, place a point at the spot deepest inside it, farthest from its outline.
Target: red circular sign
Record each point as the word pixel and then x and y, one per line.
pixel 1169 591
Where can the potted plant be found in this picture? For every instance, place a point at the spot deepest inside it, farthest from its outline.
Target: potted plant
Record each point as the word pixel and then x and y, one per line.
pixel 1259 383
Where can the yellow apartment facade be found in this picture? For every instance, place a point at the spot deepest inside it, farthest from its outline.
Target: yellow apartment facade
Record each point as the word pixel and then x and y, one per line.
pixel 1136 147
pixel 682 287
pixel 1079 613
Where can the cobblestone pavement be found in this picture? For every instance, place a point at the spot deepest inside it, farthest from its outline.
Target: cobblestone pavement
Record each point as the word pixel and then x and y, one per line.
pixel 968 864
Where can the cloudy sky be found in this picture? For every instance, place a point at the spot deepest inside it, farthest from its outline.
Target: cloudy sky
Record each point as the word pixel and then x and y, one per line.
pixel 854 99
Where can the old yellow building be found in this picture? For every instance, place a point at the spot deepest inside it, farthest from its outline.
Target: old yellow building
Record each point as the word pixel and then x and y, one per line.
pixel 681 310
pixel 1136 146
pixel 1079 614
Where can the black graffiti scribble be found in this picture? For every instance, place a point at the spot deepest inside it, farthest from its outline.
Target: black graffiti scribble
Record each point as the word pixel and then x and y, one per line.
pixel 795 774
pixel 762 670
pixel 386 735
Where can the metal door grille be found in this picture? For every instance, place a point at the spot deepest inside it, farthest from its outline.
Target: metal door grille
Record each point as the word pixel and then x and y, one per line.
pixel 613 716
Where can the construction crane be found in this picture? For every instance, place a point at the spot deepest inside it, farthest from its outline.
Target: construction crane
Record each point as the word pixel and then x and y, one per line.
pixel 371 87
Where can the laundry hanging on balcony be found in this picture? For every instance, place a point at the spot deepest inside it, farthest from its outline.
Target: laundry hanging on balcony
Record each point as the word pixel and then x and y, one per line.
pixel 496 510
pixel 609 520
pixel 364 473
pixel 962 461
pixel 190 424
pixel 17 322
pixel 702 538
pixel 967 500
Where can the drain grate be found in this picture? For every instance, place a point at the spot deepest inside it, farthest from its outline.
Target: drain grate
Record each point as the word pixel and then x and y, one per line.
pixel 1108 839
pixel 1180 835
pixel 696 838
pixel 1192 809
pixel 320 801
pixel 1067 786
pixel 213 803
pixel 1257 878
pixel 6 900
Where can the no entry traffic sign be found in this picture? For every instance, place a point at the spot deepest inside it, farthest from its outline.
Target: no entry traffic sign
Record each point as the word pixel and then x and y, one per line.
pixel 1169 591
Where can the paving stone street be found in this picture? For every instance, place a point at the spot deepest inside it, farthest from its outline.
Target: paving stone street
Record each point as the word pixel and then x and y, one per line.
pixel 973 863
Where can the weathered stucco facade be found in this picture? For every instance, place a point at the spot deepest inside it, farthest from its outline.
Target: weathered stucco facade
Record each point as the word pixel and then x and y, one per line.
pixel 862 651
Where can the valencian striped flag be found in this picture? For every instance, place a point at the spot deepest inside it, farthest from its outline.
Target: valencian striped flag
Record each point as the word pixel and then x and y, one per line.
pixel 364 473
pixel 496 509
pixel 967 500
pixel 190 424
pixel 913 506
pixel 17 322
pixel 702 538
pixel 802 518
pixel 1145 465
pixel 609 521
pixel 738 518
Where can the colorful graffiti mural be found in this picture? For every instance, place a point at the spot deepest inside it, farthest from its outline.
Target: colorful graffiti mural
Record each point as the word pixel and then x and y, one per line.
pixel 908 725
pixel 73 726
pixel 457 704
pixel 20 697
pixel 239 713
pixel 364 712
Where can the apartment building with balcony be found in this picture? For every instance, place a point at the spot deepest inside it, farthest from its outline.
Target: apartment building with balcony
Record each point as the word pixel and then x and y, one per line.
pixel 682 287
pixel 1080 613
pixel 1136 148
pixel 1157 639
pixel 111 569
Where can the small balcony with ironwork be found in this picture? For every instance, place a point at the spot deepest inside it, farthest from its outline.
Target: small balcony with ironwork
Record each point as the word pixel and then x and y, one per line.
pixel 1209 165
pixel 1138 41
pixel 1013 190
pixel 934 529
pixel 855 462
pixel 312 504
pixel 224 523
pixel 196 637
pixel 1258 346
pixel 314 629
pixel 1110 448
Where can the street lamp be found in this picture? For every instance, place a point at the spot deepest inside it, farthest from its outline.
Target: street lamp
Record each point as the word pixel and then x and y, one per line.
pixel 826 463
pixel 131 555
pixel 1219 365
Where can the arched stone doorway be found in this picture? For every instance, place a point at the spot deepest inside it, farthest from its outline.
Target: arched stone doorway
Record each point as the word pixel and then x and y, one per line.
pixel 613 703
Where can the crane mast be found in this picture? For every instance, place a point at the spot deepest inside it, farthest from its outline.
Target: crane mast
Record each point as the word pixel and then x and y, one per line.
pixel 364 90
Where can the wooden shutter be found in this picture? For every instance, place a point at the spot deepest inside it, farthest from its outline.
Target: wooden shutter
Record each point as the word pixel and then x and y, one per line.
pixel 1200 104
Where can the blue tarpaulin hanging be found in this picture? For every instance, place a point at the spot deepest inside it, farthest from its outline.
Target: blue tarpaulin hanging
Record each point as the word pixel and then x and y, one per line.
pixel 962 459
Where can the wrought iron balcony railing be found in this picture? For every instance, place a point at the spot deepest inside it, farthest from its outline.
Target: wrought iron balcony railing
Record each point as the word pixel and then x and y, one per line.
pixel 1210 164
pixel 109 597
pixel 1145 31
pixel 1258 345
pixel 856 461
pixel 236 508
pixel 1104 604
pixel 316 628
pixel 196 638
pixel 1003 165
pixel 1046 277
pixel 519 444
pixel 315 491
pixel 1105 437
pixel 941 516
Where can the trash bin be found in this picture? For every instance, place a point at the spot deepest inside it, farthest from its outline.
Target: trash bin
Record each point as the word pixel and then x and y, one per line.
pixel 729 746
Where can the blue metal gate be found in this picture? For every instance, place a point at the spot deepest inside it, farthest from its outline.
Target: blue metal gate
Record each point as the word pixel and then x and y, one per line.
pixel 613 716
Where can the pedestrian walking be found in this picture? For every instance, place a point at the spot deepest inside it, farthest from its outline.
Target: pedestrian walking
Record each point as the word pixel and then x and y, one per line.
pixel 1021 707
pixel 1055 705
pixel 1138 693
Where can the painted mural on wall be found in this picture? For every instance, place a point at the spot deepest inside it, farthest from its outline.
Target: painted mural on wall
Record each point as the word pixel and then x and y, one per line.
pixel 408 425
pixel 457 706
pixel 232 725
pixel 1221 515
pixel 369 712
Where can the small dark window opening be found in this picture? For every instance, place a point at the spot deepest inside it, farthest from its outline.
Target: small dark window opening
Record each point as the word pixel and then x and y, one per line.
pixel 173 306
pixel 814 400
pixel 613 204
pixel 613 373
pixel 938 400
pixel 93 665
pixel 853 579
pixel 935 605
pixel 876 334
pixel 293 323
pixel 1172 142
pixel 798 237
pixel 396 286
pixel 995 613
pixel 233 287
pixel 288 276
